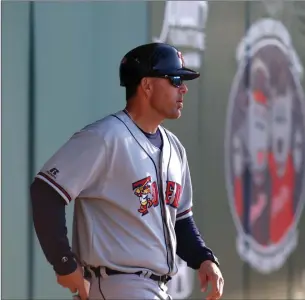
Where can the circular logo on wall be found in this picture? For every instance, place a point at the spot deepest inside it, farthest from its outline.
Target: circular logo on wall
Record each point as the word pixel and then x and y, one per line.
pixel 265 146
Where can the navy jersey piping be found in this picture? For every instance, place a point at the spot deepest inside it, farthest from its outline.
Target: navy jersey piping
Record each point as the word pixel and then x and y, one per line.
pixel 165 227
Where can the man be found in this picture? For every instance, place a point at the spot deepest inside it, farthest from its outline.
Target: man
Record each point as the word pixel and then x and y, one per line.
pixel 130 183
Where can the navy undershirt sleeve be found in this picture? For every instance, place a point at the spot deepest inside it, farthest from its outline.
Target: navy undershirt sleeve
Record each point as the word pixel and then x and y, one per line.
pixel 49 217
pixel 190 244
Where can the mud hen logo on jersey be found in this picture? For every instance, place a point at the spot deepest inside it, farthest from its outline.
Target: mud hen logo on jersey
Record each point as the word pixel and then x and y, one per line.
pixel 265 146
pixel 148 194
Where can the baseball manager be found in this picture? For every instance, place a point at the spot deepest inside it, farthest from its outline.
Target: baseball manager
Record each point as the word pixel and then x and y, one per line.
pixel 129 180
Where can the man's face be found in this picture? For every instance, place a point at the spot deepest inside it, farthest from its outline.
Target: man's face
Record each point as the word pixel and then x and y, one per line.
pixel 166 99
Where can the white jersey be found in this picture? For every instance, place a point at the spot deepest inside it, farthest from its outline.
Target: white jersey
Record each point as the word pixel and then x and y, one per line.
pixel 128 194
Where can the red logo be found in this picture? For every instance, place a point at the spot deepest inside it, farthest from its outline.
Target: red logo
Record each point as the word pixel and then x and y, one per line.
pixel 147 192
pixel 172 194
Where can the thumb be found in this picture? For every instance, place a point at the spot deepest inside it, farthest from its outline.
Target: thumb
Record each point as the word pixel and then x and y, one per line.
pixel 82 291
pixel 73 290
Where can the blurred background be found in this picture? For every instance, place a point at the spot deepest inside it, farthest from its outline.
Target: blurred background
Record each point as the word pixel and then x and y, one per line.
pixel 242 126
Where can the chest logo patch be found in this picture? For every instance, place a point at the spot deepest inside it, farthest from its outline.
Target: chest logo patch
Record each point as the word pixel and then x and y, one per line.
pixel 147 193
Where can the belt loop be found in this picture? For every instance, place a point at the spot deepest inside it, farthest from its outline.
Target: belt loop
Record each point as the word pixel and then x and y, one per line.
pixel 89 272
pixel 168 278
pixel 146 274
pixel 103 272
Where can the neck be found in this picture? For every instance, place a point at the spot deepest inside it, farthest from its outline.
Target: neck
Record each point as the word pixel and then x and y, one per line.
pixel 147 121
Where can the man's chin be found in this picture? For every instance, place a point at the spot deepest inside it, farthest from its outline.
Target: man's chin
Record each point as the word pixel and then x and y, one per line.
pixel 175 115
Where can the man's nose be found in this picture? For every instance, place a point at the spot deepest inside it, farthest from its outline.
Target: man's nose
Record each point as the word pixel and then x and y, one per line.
pixel 183 88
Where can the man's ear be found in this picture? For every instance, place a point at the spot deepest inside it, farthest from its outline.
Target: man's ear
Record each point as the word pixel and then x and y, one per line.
pixel 147 86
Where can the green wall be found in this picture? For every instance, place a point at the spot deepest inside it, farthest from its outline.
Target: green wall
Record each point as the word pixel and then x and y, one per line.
pixel 78 47
pixel 15 20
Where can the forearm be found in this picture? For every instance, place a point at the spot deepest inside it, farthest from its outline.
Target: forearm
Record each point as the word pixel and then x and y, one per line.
pixel 49 218
pixel 190 244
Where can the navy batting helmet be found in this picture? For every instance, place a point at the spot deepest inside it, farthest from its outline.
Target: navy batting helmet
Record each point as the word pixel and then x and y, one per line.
pixel 153 60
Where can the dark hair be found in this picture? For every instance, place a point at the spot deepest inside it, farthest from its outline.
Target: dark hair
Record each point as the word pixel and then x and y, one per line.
pixel 131 91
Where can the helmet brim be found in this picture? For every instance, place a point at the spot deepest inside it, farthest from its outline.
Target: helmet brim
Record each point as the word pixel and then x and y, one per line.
pixel 185 73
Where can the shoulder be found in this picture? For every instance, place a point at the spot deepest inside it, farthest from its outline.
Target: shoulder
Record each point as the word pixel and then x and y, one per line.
pixel 105 128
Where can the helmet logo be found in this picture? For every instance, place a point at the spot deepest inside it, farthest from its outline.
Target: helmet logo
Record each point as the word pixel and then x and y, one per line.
pixel 181 58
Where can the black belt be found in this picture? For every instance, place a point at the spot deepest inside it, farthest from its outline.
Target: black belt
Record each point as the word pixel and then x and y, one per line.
pixel 109 272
